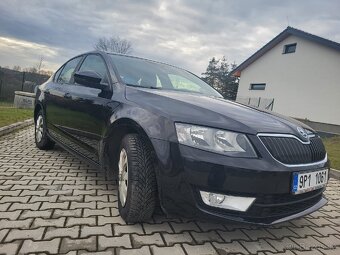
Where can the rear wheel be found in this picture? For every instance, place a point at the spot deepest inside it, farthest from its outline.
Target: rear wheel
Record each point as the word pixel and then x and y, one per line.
pixel 42 141
pixel 137 188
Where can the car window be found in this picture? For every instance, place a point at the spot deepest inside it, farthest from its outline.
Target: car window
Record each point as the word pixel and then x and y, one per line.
pixel 66 73
pixel 95 63
pixel 150 74
pixel 57 74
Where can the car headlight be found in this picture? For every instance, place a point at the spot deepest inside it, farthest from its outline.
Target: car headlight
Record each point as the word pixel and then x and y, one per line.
pixel 215 140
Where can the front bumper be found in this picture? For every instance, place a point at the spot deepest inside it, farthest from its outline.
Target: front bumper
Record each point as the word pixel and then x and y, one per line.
pixel 184 171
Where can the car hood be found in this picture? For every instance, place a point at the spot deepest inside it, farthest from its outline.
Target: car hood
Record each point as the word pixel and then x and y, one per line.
pixel 211 111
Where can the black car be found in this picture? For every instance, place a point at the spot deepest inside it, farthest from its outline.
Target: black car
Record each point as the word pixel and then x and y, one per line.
pixel 172 140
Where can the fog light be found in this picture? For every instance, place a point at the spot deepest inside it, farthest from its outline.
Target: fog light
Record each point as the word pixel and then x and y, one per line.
pixel 227 202
pixel 215 199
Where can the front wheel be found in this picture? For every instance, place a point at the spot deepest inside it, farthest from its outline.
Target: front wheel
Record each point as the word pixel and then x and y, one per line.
pixel 42 141
pixel 137 188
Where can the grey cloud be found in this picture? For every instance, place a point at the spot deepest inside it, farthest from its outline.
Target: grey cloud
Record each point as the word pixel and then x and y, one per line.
pixel 183 33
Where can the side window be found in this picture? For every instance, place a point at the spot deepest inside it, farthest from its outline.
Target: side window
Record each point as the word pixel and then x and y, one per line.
pixel 66 73
pixel 96 64
pixel 257 86
pixel 57 74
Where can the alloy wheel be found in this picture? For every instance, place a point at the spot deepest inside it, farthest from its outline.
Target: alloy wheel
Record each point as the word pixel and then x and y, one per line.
pixel 123 176
pixel 39 128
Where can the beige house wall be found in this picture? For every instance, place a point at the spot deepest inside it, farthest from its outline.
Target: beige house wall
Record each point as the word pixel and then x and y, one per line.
pixel 304 84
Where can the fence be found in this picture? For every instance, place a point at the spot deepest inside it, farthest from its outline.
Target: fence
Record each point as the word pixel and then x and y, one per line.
pixel 258 102
pixel 11 80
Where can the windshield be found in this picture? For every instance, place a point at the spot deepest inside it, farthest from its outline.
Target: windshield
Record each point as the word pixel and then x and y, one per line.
pixel 148 74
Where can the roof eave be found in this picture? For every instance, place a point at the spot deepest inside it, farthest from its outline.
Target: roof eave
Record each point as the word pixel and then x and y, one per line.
pixel 280 37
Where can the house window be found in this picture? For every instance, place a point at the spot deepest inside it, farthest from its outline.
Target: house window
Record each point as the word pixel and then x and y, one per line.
pixel 257 86
pixel 289 48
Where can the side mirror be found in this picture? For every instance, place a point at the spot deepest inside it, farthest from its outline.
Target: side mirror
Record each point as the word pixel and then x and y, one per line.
pixel 89 79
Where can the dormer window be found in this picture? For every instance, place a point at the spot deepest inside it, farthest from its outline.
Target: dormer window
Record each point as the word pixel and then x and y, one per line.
pixel 289 48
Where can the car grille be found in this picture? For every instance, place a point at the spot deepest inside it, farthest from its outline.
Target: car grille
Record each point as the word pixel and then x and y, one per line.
pixel 289 150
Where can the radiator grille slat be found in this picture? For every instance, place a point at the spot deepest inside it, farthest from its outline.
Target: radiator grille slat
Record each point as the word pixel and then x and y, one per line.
pixel 289 150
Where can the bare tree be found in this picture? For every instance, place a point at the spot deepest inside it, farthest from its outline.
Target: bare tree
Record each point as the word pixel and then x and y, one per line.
pixel 46 72
pixel 32 69
pixel 16 68
pixel 114 44
pixel 37 68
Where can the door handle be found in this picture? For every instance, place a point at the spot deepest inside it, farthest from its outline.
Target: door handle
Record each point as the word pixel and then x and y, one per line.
pixel 67 96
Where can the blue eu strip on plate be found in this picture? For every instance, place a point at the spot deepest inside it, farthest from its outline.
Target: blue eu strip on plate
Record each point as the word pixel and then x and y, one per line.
pixel 295 182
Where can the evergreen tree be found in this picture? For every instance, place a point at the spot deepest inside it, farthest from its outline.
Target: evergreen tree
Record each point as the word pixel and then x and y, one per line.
pixel 211 74
pixel 218 75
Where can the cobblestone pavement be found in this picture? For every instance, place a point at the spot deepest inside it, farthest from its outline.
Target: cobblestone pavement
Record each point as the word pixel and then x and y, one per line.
pixel 52 203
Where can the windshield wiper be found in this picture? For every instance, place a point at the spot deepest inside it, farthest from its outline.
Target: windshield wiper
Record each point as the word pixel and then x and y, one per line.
pixel 140 86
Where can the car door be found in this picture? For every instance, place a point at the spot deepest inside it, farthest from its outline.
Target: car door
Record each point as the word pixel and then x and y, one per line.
pixel 56 112
pixel 87 108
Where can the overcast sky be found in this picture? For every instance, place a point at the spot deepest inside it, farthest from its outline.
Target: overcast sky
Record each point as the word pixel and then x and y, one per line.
pixel 183 33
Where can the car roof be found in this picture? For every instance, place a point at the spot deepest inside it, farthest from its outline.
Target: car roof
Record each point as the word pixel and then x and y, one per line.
pixel 130 56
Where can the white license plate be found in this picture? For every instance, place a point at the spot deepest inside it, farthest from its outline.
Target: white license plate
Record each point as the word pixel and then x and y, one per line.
pixel 308 181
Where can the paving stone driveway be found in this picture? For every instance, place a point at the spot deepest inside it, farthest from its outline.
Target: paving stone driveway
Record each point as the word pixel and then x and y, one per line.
pixel 52 203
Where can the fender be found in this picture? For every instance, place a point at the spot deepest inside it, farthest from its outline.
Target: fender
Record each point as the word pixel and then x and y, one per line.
pixel 154 125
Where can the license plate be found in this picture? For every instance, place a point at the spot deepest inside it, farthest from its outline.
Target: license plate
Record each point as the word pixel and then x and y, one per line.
pixel 308 181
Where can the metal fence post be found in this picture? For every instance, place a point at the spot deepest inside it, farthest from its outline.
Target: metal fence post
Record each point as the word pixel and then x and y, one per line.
pixel 23 81
pixel 0 88
pixel 258 104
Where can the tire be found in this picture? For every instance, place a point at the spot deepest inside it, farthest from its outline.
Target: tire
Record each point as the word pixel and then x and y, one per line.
pixel 137 174
pixel 42 141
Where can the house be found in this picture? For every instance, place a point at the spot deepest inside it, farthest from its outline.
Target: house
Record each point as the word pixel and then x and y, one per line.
pixel 297 74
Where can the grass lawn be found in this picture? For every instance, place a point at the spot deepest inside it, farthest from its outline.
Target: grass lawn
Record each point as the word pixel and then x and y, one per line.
pixel 10 115
pixel 332 145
